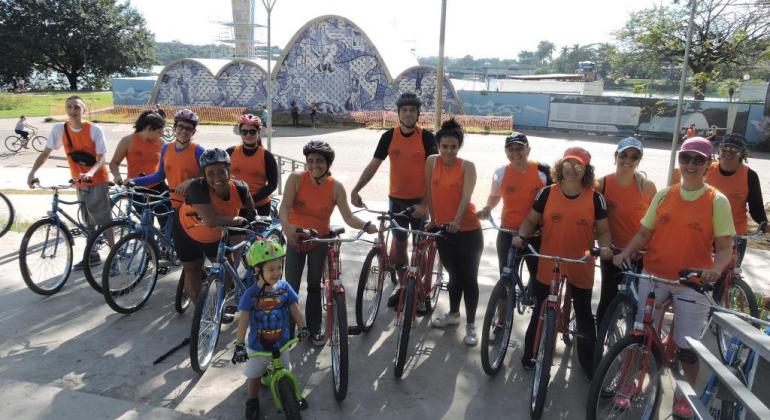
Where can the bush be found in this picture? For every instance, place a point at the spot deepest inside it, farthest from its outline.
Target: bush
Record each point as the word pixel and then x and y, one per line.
pixel 9 101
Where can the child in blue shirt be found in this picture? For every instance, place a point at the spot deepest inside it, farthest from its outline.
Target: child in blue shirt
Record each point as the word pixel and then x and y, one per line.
pixel 266 310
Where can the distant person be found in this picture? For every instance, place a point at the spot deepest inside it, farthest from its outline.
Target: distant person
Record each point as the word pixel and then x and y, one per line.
pixel 691 131
pixel 20 128
pixel 313 113
pixel 265 116
pixel 253 164
pixel 160 111
pixel 294 114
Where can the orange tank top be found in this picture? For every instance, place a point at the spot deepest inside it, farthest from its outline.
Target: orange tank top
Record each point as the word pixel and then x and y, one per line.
pixel 684 234
pixel 407 165
pixel 568 231
pixel 445 192
pixel 736 188
pixel 82 142
pixel 313 204
pixel 250 169
pixel 626 206
pixel 180 166
pixel 143 157
pixel 518 191
pixel 205 234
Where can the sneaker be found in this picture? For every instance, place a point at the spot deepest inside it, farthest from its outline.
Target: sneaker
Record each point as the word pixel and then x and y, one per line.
pixel 94 258
pixel 252 409
pixel 422 308
pixel 393 298
pixel 528 363
pixel 318 339
pixel 682 408
pixel 470 335
pixel 446 319
pixel 303 404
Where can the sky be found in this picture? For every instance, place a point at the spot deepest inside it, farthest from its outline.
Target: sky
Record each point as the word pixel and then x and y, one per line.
pixel 481 28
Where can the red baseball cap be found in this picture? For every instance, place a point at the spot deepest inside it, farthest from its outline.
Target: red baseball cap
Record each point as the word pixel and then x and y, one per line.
pixel 578 153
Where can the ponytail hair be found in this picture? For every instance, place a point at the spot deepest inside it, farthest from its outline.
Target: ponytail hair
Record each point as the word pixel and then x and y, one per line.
pixel 450 128
pixel 149 118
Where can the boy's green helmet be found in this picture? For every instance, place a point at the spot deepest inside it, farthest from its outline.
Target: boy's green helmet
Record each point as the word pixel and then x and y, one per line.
pixel 264 250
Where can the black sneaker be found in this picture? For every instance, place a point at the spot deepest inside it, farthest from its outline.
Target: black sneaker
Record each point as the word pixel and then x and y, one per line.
pixel 228 314
pixel 528 363
pixel 393 299
pixel 303 404
pixel 252 409
pixel 422 308
pixel 94 258
pixel 318 339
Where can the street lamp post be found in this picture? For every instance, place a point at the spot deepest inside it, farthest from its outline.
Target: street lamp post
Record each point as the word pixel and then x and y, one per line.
pixel 269 8
pixel 440 71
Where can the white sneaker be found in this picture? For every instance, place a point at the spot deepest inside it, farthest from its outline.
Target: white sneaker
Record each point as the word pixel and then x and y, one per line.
pixel 470 335
pixel 446 319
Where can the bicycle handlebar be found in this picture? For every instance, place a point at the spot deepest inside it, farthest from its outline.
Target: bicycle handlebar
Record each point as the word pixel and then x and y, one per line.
pixel 593 252
pixel 284 348
pixel 313 236
pixel 498 228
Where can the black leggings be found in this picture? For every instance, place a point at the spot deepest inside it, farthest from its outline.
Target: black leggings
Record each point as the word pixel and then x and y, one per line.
pixel 295 265
pixel 461 254
pixel 586 328
pixel 504 245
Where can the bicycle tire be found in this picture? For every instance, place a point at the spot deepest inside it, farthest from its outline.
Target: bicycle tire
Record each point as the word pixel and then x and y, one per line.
pixel 181 298
pixel 492 365
pixel 749 302
pixel 99 245
pixel 600 389
pixel 402 339
pixel 520 306
pixel 25 253
pixel 149 250
pixel 365 317
pixel 435 279
pixel 39 143
pixel 288 398
pixel 208 309
pixel 119 208
pixel 543 363
pixel 14 145
pixel 6 221
pixel 620 311
pixel 340 329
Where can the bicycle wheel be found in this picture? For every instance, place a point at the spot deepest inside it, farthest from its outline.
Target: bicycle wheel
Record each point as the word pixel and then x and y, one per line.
pixel 45 256
pixel 436 278
pixel 719 402
pixel 120 208
pixel 38 143
pixel 369 292
pixel 340 347
pixel 99 244
pixel 496 333
pixel 543 362
pixel 405 327
pixel 181 298
pixel 168 134
pixel 130 273
pixel 740 298
pixel 207 320
pixel 288 398
pixel 7 214
pixel 617 323
pixel 626 383
pixel 13 144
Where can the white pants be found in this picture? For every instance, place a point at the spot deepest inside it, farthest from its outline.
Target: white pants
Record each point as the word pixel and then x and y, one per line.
pixel 257 366
pixel 689 318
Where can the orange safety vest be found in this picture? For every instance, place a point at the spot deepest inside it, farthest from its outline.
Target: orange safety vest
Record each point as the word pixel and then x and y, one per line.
pixel 518 191
pixel 143 157
pixel 250 169
pixel 313 204
pixel 446 190
pixel 736 188
pixel 180 166
pixel 82 142
pixel 199 231
pixel 626 207
pixel 407 165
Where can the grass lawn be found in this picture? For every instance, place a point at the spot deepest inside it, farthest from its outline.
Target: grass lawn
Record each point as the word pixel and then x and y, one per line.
pixel 44 104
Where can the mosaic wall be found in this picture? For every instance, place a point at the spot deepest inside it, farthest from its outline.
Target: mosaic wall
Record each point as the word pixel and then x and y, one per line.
pixel 185 82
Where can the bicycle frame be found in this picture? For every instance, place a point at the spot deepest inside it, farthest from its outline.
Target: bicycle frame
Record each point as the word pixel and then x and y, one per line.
pixel 276 371
pixel 420 264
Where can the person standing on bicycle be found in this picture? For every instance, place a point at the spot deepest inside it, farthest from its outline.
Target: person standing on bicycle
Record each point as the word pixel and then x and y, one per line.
pixel 685 223
pixel 213 201
pixel 516 184
pixel 407 146
pixel 20 128
pixel 733 178
pixel 265 310
pixel 309 198
pixel 572 214
pixel 253 164
pixel 85 148
pixel 628 193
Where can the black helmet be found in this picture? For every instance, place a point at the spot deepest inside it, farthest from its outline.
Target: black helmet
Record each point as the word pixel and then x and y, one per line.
pixel 408 98
pixel 320 147
pixel 212 156
pixel 187 116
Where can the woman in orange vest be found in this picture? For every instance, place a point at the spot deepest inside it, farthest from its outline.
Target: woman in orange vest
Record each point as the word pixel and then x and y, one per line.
pixel 683 225
pixel 449 183
pixel 572 214
pixel 142 151
pixel 516 184
pixel 212 201
pixel 253 164
pixel 309 198
pixel 628 194
pixel 733 178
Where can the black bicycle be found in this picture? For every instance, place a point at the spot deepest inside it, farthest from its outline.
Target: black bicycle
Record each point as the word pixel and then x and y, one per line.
pixel 14 143
pixel 6 214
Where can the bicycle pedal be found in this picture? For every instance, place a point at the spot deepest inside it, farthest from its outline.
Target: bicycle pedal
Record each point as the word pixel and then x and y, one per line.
pixel 354 330
pixel 162 271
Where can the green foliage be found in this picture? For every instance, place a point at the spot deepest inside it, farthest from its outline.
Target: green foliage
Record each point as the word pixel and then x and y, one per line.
pixel 36 105
pixel 9 101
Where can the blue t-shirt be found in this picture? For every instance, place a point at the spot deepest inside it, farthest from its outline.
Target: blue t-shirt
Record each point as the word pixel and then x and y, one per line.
pixel 269 315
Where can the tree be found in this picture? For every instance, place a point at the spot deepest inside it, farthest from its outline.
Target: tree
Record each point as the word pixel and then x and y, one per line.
pixel 545 51
pixel 729 36
pixel 84 40
pixel 526 57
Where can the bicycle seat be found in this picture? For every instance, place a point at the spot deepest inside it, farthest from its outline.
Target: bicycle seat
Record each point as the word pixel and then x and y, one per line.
pixel 336 231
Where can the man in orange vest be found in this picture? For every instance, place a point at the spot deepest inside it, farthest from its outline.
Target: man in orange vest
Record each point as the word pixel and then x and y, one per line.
pixel 85 148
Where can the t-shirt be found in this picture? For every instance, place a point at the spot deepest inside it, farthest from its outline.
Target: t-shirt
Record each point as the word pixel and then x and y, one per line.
pixel 428 143
pixel 19 126
pixel 722 218
pixel 269 316
pixel 55 139
pixel 600 205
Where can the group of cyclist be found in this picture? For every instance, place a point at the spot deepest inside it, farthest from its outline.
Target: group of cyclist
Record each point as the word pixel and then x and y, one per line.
pixel 561 211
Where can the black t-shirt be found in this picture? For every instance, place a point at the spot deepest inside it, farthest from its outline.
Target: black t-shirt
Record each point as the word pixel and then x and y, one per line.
pixel 600 206
pixel 198 192
pixel 428 143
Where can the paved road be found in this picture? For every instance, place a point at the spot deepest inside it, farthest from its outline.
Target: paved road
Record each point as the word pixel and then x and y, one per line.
pixel 78 357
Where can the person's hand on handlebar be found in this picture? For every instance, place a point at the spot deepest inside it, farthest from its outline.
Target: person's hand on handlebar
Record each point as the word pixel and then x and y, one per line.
pixel 710 276
pixel 290 232
pixel 418 211
pixel 618 259
pixel 452 227
pixel 371 228
pixel 606 253
pixel 517 241
pixel 484 213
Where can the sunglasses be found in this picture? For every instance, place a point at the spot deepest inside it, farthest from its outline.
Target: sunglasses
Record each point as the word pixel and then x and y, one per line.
pixel 577 167
pixel 697 160
pixel 186 128
pixel 249 132
pixel 633 157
